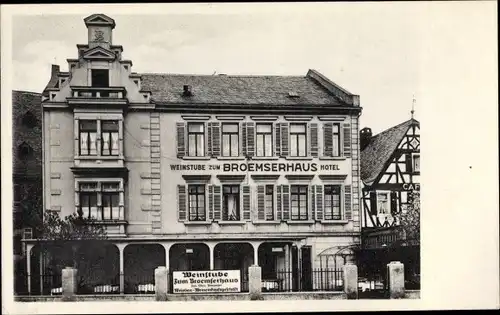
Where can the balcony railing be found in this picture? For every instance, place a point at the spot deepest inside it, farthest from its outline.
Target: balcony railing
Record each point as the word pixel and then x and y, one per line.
pixel 86 92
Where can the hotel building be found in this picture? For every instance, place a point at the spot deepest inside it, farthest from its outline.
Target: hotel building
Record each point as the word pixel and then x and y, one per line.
pixel 203 172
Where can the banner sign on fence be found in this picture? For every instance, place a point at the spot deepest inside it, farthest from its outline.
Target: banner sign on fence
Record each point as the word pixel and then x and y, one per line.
pixel 214 281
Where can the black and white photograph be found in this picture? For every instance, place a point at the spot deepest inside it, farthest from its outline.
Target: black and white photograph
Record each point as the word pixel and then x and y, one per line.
pixel 204 153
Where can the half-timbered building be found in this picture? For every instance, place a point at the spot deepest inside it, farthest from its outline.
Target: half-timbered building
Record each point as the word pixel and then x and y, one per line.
pixel 390 171
pixel 203 172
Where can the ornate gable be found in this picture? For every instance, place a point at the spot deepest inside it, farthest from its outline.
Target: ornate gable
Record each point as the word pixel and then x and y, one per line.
pixel 99 53
pixel 99 19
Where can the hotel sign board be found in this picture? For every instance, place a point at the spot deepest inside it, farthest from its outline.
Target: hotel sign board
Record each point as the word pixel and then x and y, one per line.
pixel 267 167
pixel 209 281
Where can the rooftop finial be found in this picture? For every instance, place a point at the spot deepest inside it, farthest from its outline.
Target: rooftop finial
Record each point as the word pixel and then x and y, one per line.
pixel 413 106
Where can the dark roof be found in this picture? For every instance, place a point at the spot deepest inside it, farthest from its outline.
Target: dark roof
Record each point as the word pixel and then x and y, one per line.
pixel 375 155
pixel 235 89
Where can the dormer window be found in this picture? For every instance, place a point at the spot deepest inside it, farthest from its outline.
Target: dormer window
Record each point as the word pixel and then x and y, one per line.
pixel 29 120
pixel 100 78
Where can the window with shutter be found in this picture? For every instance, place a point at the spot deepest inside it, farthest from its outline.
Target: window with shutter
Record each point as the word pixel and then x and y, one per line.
pixel 284 139
pixel 313 135
pixel 196 139
pixel 250 139
pixel 210 202
pixel 327 139
pixel 279 203
pixel 245 190
pixel 373 203
pixel 217 202
pixel 264 140
pixel 196 202
pixel 269 202
pixel 261 202
pixel 285 193
pixel 298 201
pixel 277 138
pixel 181 139
pixel 181 203
pixel 348 202
pixel 230 139
pixel 347 140
pixel 319 202
pixel 216 143
pixel 209 139
pixel 394 202
pixel 332 209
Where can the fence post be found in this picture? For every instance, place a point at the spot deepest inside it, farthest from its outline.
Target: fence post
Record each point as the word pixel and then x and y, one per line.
pixel 351 280
pixel 255 282
pixel 161 283
pixel 396 279
pixel 69 283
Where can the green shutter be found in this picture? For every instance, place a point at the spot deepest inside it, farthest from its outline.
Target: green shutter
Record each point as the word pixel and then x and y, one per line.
pixel 181 139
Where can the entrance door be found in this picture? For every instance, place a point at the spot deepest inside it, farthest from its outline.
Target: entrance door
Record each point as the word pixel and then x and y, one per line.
pixel 295 269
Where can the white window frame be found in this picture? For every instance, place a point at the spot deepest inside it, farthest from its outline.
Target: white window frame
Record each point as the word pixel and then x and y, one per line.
pixel 341 202
pixel 98 118
pixel 99 182
pixel 388 194
pixel 413 156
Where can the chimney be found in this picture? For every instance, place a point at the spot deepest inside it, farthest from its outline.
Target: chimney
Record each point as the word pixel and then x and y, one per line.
pixel 54 79
pixel 187 90
pixel 365 136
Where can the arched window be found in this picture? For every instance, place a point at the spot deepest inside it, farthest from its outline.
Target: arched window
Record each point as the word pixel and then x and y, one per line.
pixel 24 150
pixel 29 120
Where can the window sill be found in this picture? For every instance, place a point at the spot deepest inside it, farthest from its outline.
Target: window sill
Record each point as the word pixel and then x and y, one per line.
pixel 99 157
pixel 299 158
pixel 197 223
pixel 231 158
pixel 196 158
pixel 267 222
pixel 265 158
pixel 300 222
pixel 334 221
pixel 231 222
pixel 109 222
pixel 333 158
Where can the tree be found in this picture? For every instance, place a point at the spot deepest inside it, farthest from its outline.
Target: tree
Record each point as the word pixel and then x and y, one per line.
pixel 66 236
pixel 410 219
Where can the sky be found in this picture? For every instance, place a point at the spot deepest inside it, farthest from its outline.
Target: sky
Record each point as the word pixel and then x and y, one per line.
pixel 377 59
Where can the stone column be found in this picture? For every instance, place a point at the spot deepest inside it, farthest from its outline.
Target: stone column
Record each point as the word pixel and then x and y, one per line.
pixel 288 268
pixel 299 267
pixel 161 283
pixel 121 248
pixel 255 282
pixel 29 247
pixel 211 247
pixel 351 281
pixel 69 283
pixel 396 279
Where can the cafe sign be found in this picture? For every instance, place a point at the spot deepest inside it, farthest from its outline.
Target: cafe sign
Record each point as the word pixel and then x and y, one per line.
pixel 214 281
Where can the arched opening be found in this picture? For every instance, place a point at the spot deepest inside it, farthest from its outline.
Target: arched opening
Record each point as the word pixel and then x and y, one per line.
pixel 234 256
pixel 189 257
pixel 278 262
pixel 98 268
pixel 140 262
